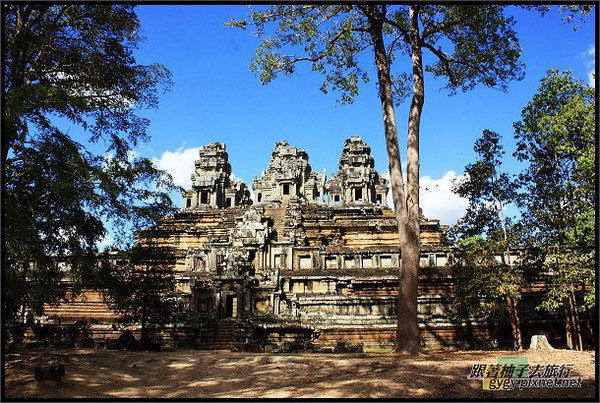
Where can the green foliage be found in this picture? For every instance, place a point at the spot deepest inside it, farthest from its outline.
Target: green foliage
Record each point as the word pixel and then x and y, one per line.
pixel 556 138
pixel 483 281
pixel 485 48
pixel 326 34
pixel 73 64
pixel 484 275
pixel 488 190
pixel 142 290
pixel 569 270
pixel 575 14
pixel 76 62
pixel 487 282
pixel 482 47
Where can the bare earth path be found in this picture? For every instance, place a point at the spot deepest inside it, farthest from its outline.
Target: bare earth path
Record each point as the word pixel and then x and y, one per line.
pixel 217 374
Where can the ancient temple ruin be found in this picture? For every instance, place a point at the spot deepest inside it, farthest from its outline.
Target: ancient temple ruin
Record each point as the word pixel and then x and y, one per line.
pixel 318 257
pixel 310 262
pixel 212 185
pixel 288 176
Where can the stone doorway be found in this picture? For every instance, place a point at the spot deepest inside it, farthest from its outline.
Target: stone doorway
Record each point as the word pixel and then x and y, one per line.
pixel 358 194
pixel 231 306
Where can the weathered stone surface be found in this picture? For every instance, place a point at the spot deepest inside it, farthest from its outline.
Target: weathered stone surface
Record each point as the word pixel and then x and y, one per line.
pixel 357 181
pixel 289 175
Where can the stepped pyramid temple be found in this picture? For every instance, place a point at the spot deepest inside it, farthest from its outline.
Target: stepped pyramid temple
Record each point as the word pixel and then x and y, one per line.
pixel 311 262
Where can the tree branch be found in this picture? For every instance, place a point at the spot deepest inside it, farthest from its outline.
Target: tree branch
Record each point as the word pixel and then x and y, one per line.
pixel 444 59
pixel 391 48
pixel 404 32
pixel 441 28
pixel 448 24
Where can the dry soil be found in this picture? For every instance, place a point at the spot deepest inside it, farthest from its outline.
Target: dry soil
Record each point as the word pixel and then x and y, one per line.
pixel 219 374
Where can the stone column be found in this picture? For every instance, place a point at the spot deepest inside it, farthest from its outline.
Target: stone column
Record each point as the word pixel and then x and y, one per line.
pixel 218 304
pixel 247 302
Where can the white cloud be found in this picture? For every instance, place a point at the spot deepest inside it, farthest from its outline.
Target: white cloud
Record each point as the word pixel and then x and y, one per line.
pixel 590 64
pixel 180 164
pixel 437 200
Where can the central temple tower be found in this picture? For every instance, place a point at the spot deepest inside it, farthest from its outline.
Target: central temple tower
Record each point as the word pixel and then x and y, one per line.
pixel 289 175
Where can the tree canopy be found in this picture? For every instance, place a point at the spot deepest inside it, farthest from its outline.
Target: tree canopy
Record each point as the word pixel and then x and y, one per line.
pixel 556 139
pixel 73 65
pixel 488 189
pixel 555 193
pixel 142 290
pixel 486 286
pixel 472 44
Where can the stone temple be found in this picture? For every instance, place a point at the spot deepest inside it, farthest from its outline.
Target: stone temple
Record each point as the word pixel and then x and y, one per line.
pixel 312 261
pixel 314 258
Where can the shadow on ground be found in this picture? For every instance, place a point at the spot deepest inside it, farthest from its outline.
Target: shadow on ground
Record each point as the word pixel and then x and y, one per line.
pixel 214 374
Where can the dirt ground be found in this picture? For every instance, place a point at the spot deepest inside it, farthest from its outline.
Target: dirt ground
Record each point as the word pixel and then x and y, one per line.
pixel 219 374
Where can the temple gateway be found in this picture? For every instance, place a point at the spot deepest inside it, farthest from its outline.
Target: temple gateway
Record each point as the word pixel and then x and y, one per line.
pixel 312 262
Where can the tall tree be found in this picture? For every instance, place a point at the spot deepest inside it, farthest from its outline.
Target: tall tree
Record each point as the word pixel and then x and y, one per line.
pixel 484 228
pixel 555 137
pixel 487 288
pixel 73 65
pixel 471 45
pixel 488 189
pixel 142 291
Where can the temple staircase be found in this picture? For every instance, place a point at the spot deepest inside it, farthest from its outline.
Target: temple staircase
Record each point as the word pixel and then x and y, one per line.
pixel 227 335
pixel 277 214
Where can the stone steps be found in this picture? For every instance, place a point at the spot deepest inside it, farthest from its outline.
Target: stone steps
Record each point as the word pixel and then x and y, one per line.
pixel 277 214
pixel 226 335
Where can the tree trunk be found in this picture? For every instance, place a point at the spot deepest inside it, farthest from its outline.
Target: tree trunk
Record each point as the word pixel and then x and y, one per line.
pixel 573 334
pixel 577 325
pixel 591 328
pixel 568 324
pixel 406 208
pixel 540 342
pixel 573 331
pixel 143 337
pixel 16 78
pixel 512 304
pixel 408 326
pixel 515 322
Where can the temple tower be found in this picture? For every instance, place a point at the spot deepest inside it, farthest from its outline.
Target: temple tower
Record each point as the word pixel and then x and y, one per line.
pixel 357 181
pixel 212 185
pixel 289 175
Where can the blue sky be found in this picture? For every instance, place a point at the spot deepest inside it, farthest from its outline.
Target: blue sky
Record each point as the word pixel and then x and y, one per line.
pixel 217 98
